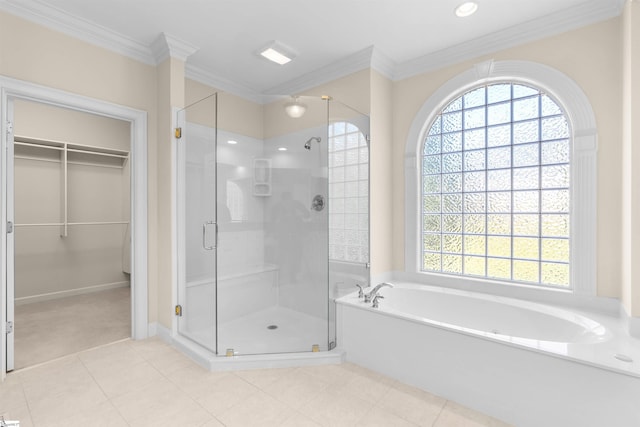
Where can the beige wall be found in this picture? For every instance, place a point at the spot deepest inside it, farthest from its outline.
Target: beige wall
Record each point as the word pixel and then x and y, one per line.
pixel 382 189
pixel 234 114
pixel 592 57
pixel 53 59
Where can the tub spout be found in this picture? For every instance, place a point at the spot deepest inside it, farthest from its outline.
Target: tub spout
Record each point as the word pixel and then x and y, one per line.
pixel 371 295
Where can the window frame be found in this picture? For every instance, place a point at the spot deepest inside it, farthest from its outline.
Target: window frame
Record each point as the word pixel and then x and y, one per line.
pixel 583 140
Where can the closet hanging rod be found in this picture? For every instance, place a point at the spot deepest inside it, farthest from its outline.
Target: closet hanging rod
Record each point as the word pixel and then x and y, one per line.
pixel 97 165
pixel 43 224
pixel 37 159
pixel 99 223
pixel 60 224
pixel 120 156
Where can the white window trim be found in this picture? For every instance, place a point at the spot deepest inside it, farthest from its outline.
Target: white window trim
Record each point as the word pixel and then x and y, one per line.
pixel 584 146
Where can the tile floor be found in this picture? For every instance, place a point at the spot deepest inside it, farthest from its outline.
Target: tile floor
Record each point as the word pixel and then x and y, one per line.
pixel 149 383
pixel 50 329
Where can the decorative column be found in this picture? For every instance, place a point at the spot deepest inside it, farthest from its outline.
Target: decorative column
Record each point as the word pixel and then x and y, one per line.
pixel 171 55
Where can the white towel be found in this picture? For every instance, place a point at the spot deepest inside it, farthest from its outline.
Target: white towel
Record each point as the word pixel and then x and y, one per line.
pixel 126 251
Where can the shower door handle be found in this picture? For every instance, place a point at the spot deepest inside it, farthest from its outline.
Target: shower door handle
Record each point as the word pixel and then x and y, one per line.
pixel 204 236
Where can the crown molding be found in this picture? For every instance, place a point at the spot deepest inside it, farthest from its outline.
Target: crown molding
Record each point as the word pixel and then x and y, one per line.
pixel 58 20
pixel 205 77
pixel 340 68
pixel 165 46
pixel 546 26
pixel 370 57
pixel 383 64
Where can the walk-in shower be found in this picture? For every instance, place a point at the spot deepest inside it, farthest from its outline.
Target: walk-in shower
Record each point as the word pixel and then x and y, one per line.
pixel 270 232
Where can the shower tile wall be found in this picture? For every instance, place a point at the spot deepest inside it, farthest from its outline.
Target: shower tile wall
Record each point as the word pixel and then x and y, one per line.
pixel 244 274
pixel 296 234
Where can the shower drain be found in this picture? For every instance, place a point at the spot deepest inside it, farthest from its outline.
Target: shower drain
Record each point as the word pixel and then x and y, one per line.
pixel 272 327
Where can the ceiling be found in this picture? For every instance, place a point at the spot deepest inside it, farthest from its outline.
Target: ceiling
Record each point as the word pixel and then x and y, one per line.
pixel 398 37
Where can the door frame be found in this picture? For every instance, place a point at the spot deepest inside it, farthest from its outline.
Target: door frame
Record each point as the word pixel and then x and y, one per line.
pixel 18 89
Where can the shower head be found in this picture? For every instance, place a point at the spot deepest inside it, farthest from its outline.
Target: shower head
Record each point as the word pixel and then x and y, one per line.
pixel 307 144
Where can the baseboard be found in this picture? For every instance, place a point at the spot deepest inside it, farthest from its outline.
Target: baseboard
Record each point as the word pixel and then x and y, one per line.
pixel 634 327
pixel 163 333
pixel 152 329
pixel 633 323
pixel 69 293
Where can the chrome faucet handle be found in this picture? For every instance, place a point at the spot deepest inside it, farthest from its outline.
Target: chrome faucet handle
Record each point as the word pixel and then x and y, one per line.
pixel 361 290
pixel 375 301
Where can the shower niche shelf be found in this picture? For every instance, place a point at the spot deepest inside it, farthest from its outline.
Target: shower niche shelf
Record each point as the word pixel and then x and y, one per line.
pixel 262 177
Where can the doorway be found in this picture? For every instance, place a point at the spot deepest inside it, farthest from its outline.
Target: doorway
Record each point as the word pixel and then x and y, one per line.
pixel 72 250
pixel 18 91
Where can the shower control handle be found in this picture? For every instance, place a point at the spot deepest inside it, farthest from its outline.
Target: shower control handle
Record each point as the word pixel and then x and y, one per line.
pixel 376 302
pixel 204 236
pixel 361 290
pixel 317 204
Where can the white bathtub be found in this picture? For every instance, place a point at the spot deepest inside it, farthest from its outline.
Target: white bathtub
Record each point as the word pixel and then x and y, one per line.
pixel 525 363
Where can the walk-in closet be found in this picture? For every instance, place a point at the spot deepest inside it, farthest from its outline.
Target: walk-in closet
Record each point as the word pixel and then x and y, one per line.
pixel 72 231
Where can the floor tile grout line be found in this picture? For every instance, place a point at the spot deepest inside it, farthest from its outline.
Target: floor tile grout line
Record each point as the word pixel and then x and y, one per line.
pixel 195 401
pixel 108 399
pixel 26 401
pixel 435 421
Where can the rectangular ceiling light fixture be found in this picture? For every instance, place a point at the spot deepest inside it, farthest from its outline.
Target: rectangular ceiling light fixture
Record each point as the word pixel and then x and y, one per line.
pixel 276 52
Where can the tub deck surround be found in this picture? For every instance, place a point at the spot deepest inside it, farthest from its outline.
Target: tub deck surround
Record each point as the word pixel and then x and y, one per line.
pixel 526 363
pixel 591 338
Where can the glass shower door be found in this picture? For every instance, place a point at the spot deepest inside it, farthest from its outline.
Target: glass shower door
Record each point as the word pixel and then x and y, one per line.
pixel 273 241
pixel 197 222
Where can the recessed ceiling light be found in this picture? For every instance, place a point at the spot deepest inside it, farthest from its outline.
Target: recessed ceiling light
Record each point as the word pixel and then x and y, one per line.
pixel 466 9
pixel 231 141
pixel 276 52
pixel 282 149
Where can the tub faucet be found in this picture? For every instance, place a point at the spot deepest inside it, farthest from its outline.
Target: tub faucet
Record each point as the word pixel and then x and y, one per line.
pixel 371 295
pixel 361 289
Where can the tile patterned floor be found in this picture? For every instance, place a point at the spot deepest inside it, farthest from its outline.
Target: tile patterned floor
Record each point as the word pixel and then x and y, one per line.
pixel 149 383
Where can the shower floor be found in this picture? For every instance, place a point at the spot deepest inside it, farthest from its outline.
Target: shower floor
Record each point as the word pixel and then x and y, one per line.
pixel 255 334
pixel 272 330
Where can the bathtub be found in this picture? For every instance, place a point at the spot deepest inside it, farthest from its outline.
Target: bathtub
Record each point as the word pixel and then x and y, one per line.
pixel 525 363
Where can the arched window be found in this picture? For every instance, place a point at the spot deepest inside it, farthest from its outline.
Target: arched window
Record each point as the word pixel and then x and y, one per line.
pixel 496 187
pixel 500 180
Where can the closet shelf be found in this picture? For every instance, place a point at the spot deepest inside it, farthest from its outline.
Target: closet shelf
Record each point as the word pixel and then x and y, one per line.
pixel 71 147
pixel 69 153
